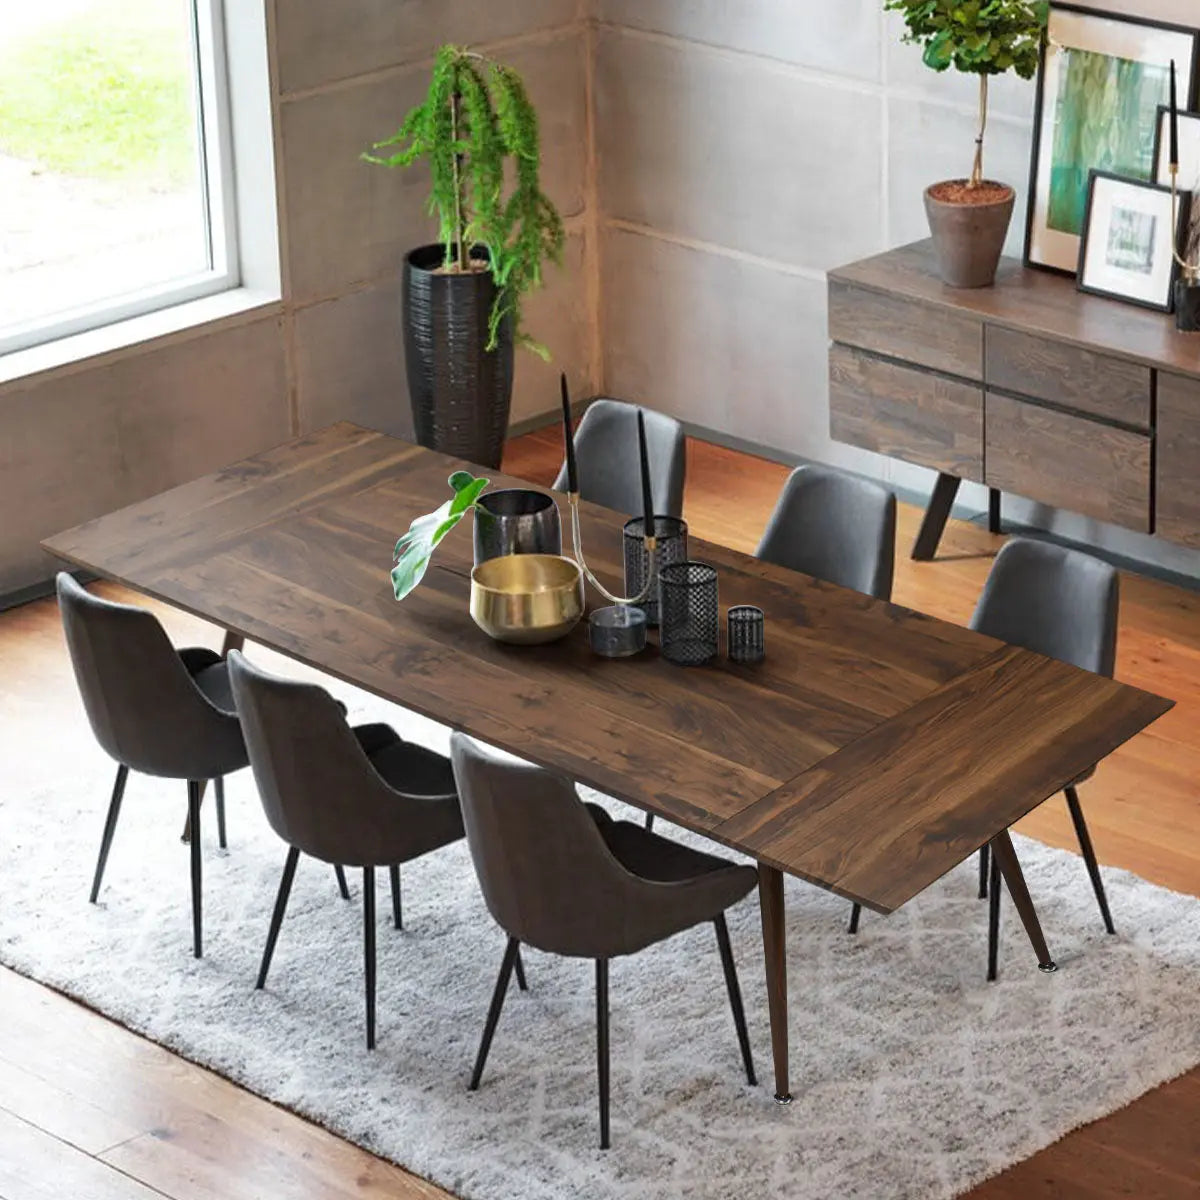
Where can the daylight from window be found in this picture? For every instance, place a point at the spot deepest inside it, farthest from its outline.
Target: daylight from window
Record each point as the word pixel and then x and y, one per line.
pixel 102 189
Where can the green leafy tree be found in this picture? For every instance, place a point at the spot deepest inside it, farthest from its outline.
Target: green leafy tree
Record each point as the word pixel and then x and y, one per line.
pixel 475 119
pixel 978 37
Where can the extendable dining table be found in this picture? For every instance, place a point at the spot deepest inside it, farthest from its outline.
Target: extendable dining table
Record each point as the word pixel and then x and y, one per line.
pixel 873 750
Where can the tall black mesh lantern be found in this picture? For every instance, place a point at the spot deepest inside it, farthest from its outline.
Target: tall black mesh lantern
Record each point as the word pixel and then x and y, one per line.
pixel 671 547
pixel 689 615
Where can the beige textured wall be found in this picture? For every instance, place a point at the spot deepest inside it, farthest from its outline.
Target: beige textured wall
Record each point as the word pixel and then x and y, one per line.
pixel 743 150
pixel 85 439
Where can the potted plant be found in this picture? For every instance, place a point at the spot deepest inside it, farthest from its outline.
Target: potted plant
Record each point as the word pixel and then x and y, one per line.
pixel 969 218
pixel 462 296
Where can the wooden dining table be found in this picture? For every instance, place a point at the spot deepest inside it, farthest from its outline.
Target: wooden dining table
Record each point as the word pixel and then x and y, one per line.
pixel 873 750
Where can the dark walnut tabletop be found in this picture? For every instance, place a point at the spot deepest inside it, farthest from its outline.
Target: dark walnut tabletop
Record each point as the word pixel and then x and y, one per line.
pixel 873 750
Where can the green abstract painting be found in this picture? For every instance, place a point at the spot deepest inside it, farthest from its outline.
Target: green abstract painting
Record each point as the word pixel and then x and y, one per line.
pixel 1105 116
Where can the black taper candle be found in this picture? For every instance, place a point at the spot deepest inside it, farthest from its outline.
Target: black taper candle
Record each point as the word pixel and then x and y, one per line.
pixel 647 496
pixel 1174 121
pixel 569 438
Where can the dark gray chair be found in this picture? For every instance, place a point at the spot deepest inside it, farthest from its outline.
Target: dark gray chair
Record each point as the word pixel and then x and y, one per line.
pixel 834 526
pixel 154 709
pixel 361 797
pixel 606 453
pixel 1063 604
pixel 564 877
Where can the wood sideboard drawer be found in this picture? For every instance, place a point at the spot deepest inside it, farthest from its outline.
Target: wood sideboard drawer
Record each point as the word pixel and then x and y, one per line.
pixel 1067 461
pixel 1177 495
pixel 911 414
pixel 1068 376
pixel 907 329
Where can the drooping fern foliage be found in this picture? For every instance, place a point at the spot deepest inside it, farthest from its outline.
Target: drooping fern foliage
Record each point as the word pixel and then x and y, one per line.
pixel 474 119
pixel 979 37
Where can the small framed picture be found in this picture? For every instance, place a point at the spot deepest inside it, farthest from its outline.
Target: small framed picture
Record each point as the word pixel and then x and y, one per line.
pixel 1189 168
pixel 1128 243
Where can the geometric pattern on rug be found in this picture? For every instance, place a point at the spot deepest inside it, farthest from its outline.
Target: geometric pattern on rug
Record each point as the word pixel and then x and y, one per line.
pixel 912 1076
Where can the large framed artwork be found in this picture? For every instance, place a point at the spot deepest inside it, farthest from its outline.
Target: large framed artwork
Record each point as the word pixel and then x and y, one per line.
pixel 1101 82
pixel 1189 169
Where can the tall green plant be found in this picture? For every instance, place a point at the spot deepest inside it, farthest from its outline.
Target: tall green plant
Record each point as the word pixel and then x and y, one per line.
pixel 978 37
pixel 475 118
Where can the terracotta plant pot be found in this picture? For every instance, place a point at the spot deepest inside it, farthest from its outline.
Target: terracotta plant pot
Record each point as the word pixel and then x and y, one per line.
pixel 969 226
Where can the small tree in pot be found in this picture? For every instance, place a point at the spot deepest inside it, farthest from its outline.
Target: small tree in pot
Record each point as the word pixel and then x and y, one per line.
pixel 969 218
pixel 462 296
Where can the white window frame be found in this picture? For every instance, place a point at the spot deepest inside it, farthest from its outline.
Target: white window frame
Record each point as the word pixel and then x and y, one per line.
pixel 218 195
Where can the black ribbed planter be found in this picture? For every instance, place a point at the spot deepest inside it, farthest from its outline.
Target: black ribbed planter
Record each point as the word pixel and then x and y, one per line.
pixel 460 393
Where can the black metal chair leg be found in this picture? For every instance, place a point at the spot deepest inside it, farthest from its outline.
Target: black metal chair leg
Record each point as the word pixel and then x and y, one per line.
pixel 493 1016
pixel 602 1046
pixel 219 790
pixel 649 820
pixel 110 827
pixel 194 797
pixel 735 997
pixel 281 900
pixel 855 914
pixel 343 887
pixel 369 950
pixel 994 890
pixel 519 967
pixel 397 915
pixel 1089 856
pixel 985 856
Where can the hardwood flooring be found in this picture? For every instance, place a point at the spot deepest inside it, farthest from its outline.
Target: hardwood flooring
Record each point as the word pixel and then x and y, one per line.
pixel 91 1111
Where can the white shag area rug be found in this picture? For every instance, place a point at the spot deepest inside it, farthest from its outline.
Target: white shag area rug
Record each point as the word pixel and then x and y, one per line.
pixel 913 1077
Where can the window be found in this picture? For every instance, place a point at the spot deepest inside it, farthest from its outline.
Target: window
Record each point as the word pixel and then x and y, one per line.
pixel 116 188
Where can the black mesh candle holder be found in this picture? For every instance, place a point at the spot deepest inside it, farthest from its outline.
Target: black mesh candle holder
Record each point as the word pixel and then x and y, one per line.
pixel 671 535
pixel 688 614
pixel 746 634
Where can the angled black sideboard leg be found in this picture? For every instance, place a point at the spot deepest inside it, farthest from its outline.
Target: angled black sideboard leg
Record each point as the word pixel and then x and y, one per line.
pixel 936 515
pixel 994 510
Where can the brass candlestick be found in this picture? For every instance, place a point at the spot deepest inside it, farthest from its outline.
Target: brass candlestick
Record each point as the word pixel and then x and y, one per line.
pixel 1187 286
pixel 651 543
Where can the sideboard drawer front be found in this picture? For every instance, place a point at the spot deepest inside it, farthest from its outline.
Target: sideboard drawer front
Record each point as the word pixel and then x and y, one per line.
pixel 1177 497
pixel 1068 461
pixel 909 330
pixel 906 413
pixel 1068 376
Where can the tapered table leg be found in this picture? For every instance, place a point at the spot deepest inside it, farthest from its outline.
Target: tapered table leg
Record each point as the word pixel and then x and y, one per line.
pixel 233 641
pixel 994 510
pixel 936 516
pixel 1010 868
pixel 770 901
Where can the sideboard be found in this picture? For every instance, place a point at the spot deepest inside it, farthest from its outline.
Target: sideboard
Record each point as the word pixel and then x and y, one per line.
pixel 1029 387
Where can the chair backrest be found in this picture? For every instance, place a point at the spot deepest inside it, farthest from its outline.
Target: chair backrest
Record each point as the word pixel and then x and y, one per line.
pixel 546 874
pixel 144 707
pixel 318 788
pixel 1052 600
pixel 834 526
pixel 606 453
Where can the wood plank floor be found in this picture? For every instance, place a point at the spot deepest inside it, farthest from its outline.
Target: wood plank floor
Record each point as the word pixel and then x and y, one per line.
pixel 91 1111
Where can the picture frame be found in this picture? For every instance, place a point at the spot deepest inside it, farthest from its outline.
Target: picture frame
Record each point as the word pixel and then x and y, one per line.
pixel 1095 63
pixel 1189 169
pixel 1126 249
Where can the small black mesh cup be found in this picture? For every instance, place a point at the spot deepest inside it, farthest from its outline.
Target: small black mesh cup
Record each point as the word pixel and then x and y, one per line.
pixel 688 613
pixel 671 535
pixel 746 634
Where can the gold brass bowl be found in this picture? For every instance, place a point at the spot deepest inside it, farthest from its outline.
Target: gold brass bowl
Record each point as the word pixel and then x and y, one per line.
pixel 527 599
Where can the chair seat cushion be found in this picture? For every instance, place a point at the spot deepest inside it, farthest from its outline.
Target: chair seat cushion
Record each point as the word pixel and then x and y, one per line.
pixel 644 853
pixel 406 767
pixel 213 681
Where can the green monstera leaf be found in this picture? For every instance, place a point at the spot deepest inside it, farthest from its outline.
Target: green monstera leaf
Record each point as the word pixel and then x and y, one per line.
pixel 416 547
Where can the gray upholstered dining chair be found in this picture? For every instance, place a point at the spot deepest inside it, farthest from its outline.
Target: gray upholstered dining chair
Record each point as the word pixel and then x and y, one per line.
pixel 154 709
pixel 606 453
pixel 564 877
pixel 834 526
pixel 361 797
pixel 1063 604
